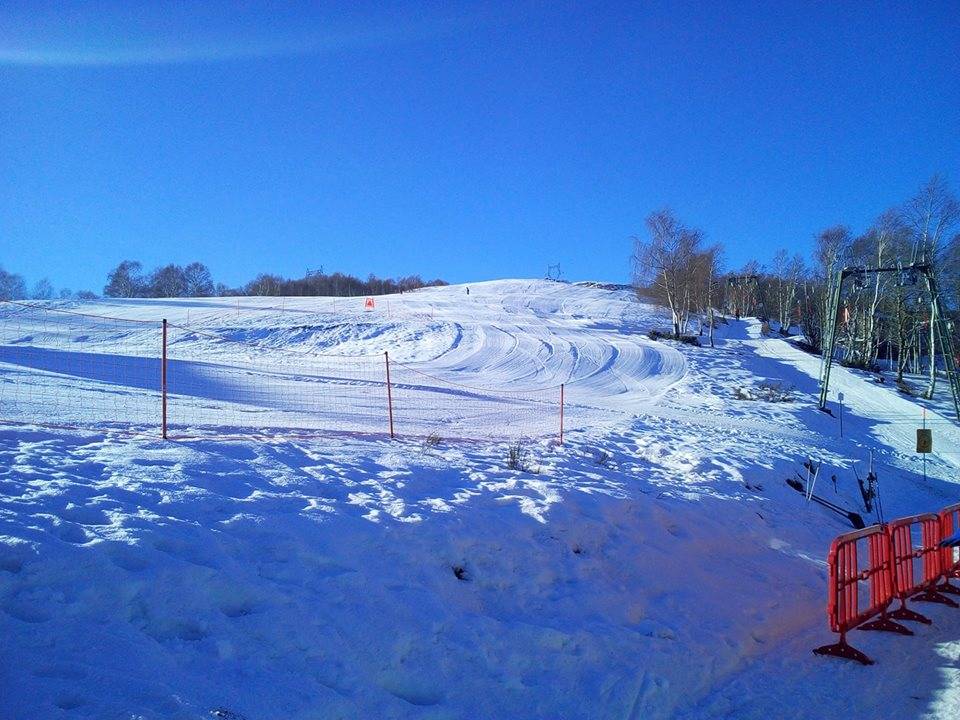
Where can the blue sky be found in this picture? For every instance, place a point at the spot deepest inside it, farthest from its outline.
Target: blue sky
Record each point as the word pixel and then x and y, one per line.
pixel 464 141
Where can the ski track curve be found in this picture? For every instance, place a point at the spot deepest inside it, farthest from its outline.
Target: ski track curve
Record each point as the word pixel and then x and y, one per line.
pixel 504 336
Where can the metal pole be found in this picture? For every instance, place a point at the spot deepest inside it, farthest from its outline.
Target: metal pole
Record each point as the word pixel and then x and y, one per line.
pixel 840 402
pixel 386 358
pixel 163 382
pixel 561 413
pixel 830 339
pixel 946 343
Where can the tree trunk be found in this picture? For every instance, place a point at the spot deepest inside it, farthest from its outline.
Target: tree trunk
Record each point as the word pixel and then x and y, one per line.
pixel 933 357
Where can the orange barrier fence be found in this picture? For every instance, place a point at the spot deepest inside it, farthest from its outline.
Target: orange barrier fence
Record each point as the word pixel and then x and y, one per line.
pixel 870 568
pixel 949 556
pixel 860 588
pixel 916 558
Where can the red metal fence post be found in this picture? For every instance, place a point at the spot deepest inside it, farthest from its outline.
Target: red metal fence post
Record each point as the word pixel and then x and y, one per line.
pixel 386 358
pixel 163 381
pixel 561 413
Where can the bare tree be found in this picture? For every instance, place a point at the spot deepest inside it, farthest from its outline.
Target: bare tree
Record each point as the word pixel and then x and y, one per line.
pixel 810 299
pixel 883 244
pixel 196 277
pixel 706 270
pixel 168 282
pixel 12 286
pixel 42 290
pixel 264 284
pixel 932 214
pixel 124 281
pixel 667 263
pixel 786 276
pixel 831 253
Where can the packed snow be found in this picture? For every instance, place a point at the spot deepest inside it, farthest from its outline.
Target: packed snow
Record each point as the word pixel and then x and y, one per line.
pixel 487 365
pixel 654 565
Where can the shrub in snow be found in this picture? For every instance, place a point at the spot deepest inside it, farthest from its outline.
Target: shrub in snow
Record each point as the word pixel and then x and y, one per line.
pixel 767 391
pixel 655 334
pixel 518 458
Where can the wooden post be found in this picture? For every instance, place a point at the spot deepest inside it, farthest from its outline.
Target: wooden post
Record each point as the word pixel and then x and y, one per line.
pixel 163 382
pixel 386 358
pixel 561 413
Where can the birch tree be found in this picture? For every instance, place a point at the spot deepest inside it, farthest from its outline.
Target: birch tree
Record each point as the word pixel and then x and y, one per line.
pixel 932 215
pixel 666 263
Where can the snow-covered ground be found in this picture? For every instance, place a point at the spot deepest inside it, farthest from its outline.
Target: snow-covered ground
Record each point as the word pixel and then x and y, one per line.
pixel 654 566
pixel 483 365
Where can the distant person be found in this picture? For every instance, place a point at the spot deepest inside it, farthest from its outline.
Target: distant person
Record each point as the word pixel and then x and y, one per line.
pixel 468 291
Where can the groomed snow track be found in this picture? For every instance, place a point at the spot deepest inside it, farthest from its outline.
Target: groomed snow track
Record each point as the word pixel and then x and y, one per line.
pixel 480 365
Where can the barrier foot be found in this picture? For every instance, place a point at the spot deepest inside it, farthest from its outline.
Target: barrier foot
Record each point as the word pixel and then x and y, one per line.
pixel 843 650
pixel 885 624
pixel 946 587
pixel 934 597
pixel 904 613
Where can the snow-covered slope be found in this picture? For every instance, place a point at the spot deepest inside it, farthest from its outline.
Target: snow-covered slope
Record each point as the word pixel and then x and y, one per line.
pixel 653 566
pixel 488 364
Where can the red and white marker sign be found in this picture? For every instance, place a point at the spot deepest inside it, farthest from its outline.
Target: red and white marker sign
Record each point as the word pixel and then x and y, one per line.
pixel 368 304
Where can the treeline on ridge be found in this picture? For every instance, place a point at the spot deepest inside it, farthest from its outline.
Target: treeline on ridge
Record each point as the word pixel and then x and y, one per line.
pixel 194 280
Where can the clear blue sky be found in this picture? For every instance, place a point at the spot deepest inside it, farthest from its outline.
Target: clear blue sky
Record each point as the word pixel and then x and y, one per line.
pixel 465 141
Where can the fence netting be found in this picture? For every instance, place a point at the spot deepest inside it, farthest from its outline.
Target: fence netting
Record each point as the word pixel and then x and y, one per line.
pixel 73 369
pixel 65 368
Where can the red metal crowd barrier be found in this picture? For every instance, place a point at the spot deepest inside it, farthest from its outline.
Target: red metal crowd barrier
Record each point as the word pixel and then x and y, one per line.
pixel 904 560
pixel 919 583
pixel 949 556
pixel 848 606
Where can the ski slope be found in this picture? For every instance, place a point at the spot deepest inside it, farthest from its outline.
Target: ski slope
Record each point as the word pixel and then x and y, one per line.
pixel 654 566
pixel 484 365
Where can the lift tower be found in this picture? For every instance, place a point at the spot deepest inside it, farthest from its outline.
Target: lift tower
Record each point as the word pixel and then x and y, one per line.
pixel 908 275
